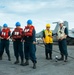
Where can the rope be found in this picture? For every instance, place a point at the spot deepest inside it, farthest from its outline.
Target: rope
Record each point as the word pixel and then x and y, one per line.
pixel 55 51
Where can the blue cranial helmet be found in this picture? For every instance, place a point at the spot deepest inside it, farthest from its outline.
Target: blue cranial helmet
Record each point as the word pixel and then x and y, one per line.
pixel 29 22
pixel 18 24
pixel 5 25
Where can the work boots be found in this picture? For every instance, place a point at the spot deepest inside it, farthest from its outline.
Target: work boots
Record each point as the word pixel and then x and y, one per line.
pixel 9 58
pixel 26 63
pixel 46 56
pixel 50 56
pixel 34 65
pixel 22 63
pixel 17 61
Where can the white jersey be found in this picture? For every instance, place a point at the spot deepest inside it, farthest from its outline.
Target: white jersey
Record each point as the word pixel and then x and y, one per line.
pixel 61 32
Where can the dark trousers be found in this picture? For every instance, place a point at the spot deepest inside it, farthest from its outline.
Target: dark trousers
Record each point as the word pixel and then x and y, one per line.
pixel 18 49
pixel 48 49
pixel 63 47
pixel 4 45
pixel 35 47
pixel 30 50
pixel 0 44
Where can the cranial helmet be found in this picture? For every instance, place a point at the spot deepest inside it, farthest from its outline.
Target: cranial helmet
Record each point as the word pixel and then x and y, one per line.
pixel 5 25
pixel 18 24
pixel 60 21
pixel 47 25
pixel 29 22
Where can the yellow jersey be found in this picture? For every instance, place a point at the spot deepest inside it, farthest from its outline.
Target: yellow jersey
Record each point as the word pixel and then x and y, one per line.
pixel 48 36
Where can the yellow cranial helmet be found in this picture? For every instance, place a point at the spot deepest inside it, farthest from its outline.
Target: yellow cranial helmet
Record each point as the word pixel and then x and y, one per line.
pixel 48 25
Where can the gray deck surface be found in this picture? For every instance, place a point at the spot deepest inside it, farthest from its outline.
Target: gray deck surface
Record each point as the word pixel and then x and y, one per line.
pixel 44 67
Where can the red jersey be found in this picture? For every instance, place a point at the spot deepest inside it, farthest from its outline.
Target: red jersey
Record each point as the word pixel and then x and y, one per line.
pixel 28 30
pixel 5 33
pixel 17 33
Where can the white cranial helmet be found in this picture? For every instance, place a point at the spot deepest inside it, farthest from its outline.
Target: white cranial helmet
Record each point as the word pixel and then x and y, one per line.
pixel 60 21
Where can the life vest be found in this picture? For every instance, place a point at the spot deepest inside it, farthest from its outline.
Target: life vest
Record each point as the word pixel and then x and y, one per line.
pixel 28 30
pixel 5 33
pixel 47 38
pixel 17 33
pixel 61 32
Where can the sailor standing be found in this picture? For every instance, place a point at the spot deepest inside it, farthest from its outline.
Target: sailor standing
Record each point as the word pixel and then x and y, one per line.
pixel 61 36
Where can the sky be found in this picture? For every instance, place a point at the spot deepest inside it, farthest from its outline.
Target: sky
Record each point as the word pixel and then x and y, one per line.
pixel 40 12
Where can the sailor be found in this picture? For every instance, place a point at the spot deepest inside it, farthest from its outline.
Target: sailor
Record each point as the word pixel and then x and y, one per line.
pixel 30 44
pixel 5 36
pixel 18 43
pixel 62 36
pixel 48 41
